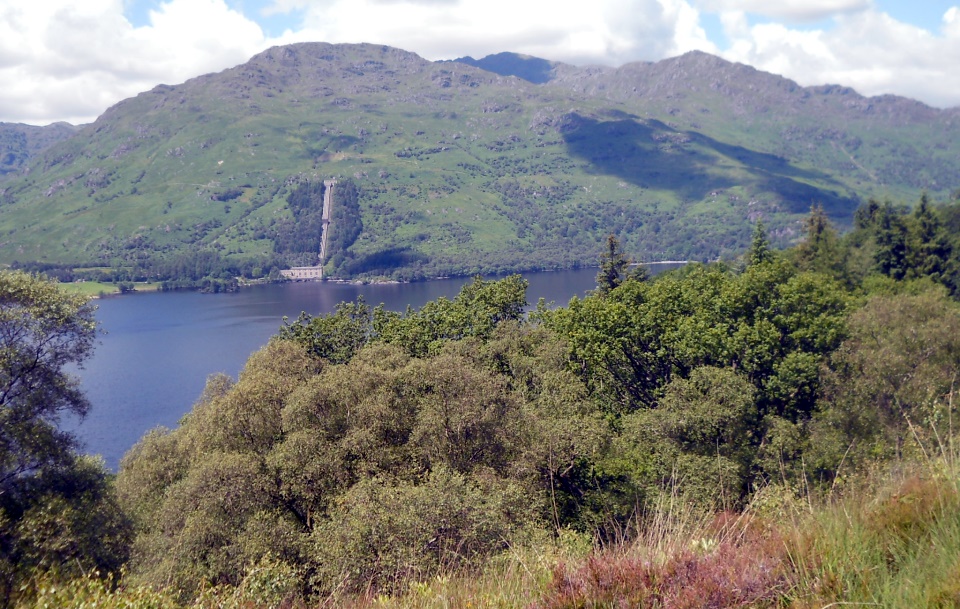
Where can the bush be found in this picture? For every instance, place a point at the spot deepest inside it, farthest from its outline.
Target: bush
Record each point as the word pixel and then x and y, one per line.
pixel 383 535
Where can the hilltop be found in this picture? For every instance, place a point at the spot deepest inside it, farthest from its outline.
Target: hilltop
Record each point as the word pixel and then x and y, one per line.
pixel 19 143
pixel 510 163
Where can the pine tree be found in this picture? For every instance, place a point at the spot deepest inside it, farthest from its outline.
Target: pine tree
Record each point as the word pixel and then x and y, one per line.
pixel 866 214
pixel 613 266
pixel 928 247
pixel 820 251
pixel 759 246
pixel 891 253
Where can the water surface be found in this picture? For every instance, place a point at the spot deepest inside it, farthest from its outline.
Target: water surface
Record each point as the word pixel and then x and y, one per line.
pixel 159 348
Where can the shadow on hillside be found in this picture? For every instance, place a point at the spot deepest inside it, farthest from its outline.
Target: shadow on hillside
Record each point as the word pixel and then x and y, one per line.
pixel 531 69
pixel 652 155
pixel 384 260
pixel 322 146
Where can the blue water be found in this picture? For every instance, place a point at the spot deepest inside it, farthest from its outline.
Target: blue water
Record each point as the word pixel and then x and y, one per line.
pixel 159 348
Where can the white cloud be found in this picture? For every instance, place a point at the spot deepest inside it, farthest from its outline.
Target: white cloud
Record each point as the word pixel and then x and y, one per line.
pixel 791 10
pixel 688 34
pixel 67 60
pixel 609 32
pixel 951 22
pixel 867 50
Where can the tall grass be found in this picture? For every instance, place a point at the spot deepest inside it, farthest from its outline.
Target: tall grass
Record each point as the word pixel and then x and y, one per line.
pixel 890 538
pixel 897 545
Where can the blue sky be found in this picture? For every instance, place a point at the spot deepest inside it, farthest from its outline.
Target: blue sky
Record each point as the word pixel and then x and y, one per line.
pixel 272 22
pixel 922 13
pixel 926 14
pixel 69 60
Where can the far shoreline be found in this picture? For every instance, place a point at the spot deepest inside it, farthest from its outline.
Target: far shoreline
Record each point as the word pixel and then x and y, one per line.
pixel 96 290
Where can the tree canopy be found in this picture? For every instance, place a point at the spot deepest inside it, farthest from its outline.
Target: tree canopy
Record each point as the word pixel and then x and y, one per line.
pixel 42 331
pixel 364 449
pixel 57 510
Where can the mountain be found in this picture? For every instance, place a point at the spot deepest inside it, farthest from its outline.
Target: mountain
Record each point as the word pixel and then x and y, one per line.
pixel 531 69
pixel 449 168
pixel 19 143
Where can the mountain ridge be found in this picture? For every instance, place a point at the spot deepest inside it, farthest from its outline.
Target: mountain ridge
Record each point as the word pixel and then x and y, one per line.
pixel 20 142
pixel 461 169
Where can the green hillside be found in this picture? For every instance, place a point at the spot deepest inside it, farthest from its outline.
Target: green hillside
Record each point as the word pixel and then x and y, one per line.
pixel 19 143
pixel 458 170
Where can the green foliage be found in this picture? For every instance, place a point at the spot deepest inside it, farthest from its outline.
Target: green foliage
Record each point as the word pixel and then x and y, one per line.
pixel 631 343
pixel 929 248
pixel 705 424
pixel 366 469
pixel 44 330
pixel 560 433
pixel 383 535
pixel 759 245
pixel 711 373
pixel 300 234
pixel 891 236
pixel 888 390
pixel 266 583
pixel 208 483
pixel 62 523
pixel 89 591
pixel 904 246
pixel 613 266
pixel 820 250
pixel 346 223
pixel 58 512
pixel 335 337
pixel 475 312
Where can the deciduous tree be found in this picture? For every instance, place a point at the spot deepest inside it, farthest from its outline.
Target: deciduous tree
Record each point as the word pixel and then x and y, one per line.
pixel 57 510
pixel 42 331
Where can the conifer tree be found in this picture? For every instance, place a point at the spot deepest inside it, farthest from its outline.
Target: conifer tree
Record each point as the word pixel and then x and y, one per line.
pixel 866 214
pixel 759 246
pixel 929 249
pixel 891 238
pixel 613 266
pixel 820 251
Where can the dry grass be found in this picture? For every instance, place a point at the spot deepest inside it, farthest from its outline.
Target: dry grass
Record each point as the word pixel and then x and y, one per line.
pixel 892 540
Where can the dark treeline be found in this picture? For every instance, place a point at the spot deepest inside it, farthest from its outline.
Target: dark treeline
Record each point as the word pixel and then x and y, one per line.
pixel 300 233
pixel 904 244
pixel 365 449
pixel 345 227
pixel 204 269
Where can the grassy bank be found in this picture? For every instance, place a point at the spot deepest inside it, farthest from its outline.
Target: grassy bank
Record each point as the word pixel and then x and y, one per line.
pixel 886 539
pixel 98 289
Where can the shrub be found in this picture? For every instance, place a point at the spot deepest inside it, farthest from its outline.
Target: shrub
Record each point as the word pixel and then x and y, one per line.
pixel 383 535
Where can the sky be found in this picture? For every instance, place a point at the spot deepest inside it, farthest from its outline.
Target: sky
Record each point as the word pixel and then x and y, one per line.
pixel 69 60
